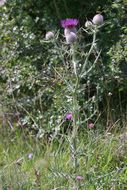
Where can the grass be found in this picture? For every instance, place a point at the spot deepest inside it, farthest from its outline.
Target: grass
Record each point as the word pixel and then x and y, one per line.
pixel 102 162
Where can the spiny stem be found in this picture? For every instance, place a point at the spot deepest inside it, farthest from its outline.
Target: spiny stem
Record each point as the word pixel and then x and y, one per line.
pixel 89 53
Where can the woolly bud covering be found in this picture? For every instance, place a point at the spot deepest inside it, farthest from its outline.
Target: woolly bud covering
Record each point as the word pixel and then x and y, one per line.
pixel 98 19
pixel 49 35
pixel 71 38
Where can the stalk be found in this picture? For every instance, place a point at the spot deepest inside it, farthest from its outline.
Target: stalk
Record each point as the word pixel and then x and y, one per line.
pixel 75 113
pixel 89 53
pixel 75 126
pixel 73 138
pixel 75 106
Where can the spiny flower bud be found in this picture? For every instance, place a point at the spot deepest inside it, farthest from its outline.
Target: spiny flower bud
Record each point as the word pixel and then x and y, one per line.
pixel 71 38
pixel 49 35
pixel 69 29
pixel 2 2
pixel 88 24
pixel 98 19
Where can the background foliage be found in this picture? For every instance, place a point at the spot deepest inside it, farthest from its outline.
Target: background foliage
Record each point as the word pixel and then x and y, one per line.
pixel 30 88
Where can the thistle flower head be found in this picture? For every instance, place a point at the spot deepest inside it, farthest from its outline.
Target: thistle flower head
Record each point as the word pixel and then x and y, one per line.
pixel 69 116
pixel 2 2
pixel 98 19
pixel 91 125
pixel 69 22
pixel 79 178
pixel 49 35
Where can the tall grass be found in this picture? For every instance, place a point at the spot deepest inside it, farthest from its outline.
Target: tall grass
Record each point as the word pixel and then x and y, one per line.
pixel 102 162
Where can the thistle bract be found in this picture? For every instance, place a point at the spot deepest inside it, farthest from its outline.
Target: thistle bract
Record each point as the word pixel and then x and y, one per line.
pixel 98 19
pixel 70 29
pixel 88 24
pixel 49 35
pixel 71 38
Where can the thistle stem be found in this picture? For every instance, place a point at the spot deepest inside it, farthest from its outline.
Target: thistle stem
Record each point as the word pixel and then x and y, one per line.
pixel 89 53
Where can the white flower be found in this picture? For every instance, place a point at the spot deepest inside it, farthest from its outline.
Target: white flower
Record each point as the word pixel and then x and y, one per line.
pixel 49 35
pixel 2 2
pixel 71 37
pixel 98 19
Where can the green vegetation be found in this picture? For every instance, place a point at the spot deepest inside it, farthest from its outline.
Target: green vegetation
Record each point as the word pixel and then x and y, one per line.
pixel 63 95
pixel 102 162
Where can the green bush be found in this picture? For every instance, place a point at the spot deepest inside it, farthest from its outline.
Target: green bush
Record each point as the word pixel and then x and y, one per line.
pixel 32 88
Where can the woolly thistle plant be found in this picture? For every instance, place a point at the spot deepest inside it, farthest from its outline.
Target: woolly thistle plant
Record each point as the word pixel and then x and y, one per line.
pixel 75 74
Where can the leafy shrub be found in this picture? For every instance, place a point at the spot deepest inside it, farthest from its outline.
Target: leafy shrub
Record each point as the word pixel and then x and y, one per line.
pixel 31 70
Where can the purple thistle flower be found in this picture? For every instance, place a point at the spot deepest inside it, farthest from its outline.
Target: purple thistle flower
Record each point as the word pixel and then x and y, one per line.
pixel 69 22
pixel 79 178
pixel 69 116
pixel 91 125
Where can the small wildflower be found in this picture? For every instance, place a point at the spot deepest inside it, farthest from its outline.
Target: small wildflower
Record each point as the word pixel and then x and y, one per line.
pixel 79 178
pixel 98 19
pixel 69 116
pixel 71 38
pixel 30 155
pixel 91 125
pixel 49 35
pixel 2 2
